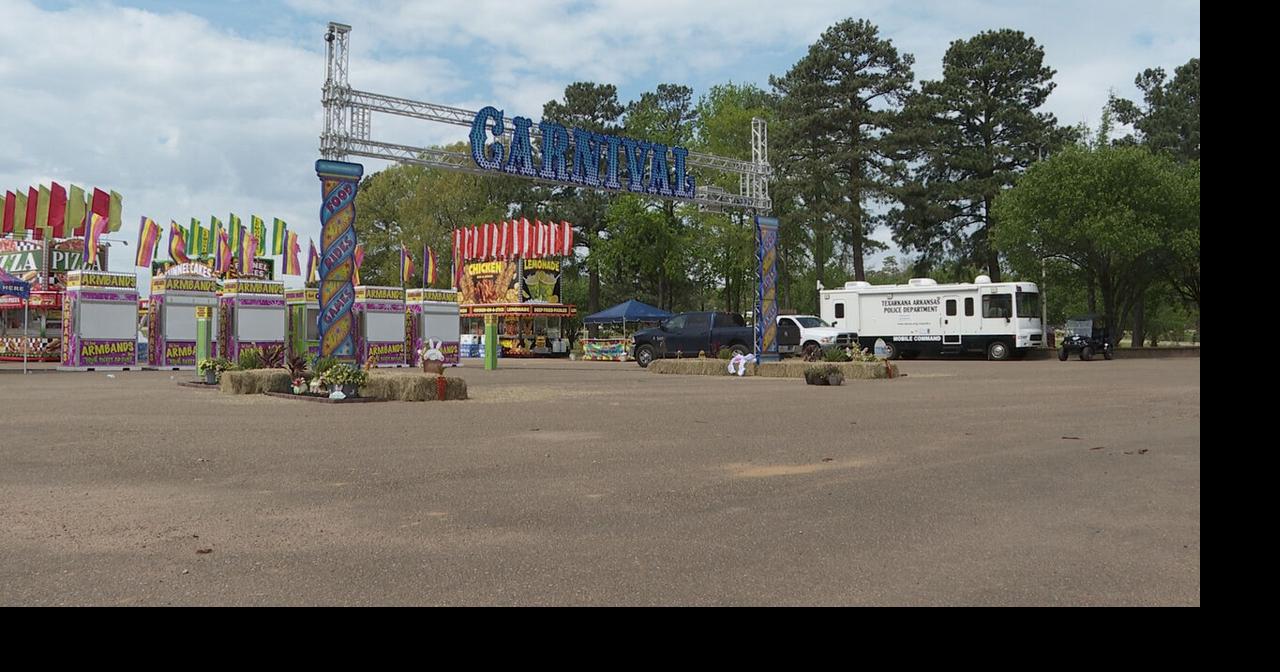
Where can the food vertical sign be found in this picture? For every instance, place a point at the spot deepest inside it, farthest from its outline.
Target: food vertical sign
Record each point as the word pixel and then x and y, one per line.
pixel 338 183
pixel 766 316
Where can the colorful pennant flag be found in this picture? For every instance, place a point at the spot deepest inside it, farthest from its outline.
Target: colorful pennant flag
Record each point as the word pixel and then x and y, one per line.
pixel 259 234
pixel 58 210
pixel 215 233
pixel 279 237
pixel 250 244
pixel 93 232
pixel 406 266
pixel 237 233
pixel 429 267
pixel 10 211
pixel 359 259
pixel 177 244
pixel 313 264
pixel 148 241
pixel 42 214
pixel 115 204
pixel 222 259
pixel 291 265
pixel 19 214
pixel 77 211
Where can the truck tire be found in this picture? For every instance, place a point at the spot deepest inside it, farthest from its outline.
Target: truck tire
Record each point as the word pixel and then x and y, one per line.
pixel 739 349
pixel 1062 354
pixel 998 351
pixel 807 350
pixel 1106 354
pixel 1086 354
pixel 644 355
pixel 890 350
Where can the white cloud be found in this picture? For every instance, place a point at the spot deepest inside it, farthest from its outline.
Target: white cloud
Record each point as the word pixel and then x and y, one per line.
pixel 191 118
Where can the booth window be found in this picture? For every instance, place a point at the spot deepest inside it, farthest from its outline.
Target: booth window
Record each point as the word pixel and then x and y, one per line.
pixel 839 310
pixel 997 305
pixel 313 324
pixel 968 307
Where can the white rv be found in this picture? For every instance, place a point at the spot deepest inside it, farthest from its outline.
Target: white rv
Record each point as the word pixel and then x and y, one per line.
pixel 923 317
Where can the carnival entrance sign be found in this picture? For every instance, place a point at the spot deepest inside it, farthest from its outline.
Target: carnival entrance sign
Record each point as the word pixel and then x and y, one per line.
pixel 543 151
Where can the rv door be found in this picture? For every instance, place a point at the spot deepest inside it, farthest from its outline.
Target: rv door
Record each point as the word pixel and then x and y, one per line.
pixel 952 326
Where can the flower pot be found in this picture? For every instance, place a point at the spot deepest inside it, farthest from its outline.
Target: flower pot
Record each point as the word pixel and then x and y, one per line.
pixel 432 366
pixel 835 378
pixel 210 377
pixel 349 390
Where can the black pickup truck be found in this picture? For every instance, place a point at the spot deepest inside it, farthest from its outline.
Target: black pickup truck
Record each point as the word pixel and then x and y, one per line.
pixel 687 334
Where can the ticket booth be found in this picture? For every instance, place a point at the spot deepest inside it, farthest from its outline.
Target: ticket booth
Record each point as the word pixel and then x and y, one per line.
pixel 380 326
pixel 171 317
pixel 433 316
pixel 100 321
pixel 304 321
pixel 253 316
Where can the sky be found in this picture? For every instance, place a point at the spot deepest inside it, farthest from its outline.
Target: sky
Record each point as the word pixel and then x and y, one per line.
pixel 192 109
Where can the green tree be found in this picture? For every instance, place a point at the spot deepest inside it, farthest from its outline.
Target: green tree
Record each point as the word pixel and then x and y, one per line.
pixel 840 105
pixel 593 107
pixel 416 206
pixel 1109 211
pixel 723 244
pixel 1168 120
pixel 971 134
pixel 667 115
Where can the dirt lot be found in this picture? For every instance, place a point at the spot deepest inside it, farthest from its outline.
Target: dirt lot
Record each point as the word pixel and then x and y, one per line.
pixel 971 483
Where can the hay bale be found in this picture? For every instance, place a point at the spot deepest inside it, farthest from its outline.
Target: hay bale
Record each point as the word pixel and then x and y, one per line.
pixel 255 381
pixel 695 367
pixel 786 369
pixel 410 386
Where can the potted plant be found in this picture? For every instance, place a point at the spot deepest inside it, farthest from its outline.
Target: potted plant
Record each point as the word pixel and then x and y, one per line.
pixel 826 374
pixel 209 369
pixel 432 358
pixel 345 378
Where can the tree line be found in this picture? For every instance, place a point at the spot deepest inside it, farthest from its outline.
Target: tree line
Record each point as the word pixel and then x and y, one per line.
pixel 967 173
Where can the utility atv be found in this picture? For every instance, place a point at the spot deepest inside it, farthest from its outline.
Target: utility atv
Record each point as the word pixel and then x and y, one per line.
pixel 1086 335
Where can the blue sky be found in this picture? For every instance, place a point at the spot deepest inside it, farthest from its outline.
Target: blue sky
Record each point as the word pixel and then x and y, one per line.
pixel 199 108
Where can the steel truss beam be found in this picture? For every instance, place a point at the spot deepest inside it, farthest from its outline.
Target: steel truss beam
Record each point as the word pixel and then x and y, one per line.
pixel 348 132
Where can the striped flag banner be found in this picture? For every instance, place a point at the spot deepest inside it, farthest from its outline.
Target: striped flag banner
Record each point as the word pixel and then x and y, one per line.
pixel 313 264
pixel 359 259
pixel 429 266
pixel 406 266
pixel 280 236
pixel 177 244
pixel 291 265
pixel 93 232
pixel 222 258
pixel 148 241
pixel 259 234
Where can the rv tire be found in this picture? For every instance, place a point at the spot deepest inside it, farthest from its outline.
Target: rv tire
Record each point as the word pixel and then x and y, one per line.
pixel 998 351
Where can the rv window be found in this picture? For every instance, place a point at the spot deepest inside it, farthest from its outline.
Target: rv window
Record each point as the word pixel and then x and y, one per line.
pixel 1028 304
pixel 839 311
pixel 951 307
pixel 968 307
pixel 997 305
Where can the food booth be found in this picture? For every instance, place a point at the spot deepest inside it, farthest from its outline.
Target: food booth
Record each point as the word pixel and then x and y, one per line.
pixel 252 316
pixel 304 321
pixel 171 312
pixel 523 295
pixel 379 316
pixel 432 315
pixel 44 264
pixel 100 321
pixel 616 346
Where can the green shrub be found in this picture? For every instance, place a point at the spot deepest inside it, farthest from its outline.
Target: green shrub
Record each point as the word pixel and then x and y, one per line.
pixel 250 359
pixel 836 355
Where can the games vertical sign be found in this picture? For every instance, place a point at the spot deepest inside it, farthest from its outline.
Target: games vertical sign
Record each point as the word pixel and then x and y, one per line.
pixel 338 184
pixel 766 315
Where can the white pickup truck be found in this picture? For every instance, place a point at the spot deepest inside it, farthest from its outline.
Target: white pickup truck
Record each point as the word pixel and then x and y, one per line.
pixel 813 333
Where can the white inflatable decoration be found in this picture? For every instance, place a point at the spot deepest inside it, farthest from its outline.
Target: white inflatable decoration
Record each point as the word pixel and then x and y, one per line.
pixel 741 362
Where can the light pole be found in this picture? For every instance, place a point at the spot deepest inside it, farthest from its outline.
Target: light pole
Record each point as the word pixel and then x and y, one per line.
pixel 1044 304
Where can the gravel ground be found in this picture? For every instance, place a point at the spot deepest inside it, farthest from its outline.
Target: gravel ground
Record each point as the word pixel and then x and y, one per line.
pixel 592 483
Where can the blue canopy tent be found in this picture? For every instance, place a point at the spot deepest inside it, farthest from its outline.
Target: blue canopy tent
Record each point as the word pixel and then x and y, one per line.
pixel 628 311
pixel 13 286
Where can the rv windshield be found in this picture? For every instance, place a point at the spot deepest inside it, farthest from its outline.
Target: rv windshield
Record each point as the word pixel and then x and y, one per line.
pixel 811 322
pixel 1028 304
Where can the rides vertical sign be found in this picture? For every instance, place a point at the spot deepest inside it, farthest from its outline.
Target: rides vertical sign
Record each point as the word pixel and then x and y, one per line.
pixel 338 183
pixel 766 315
